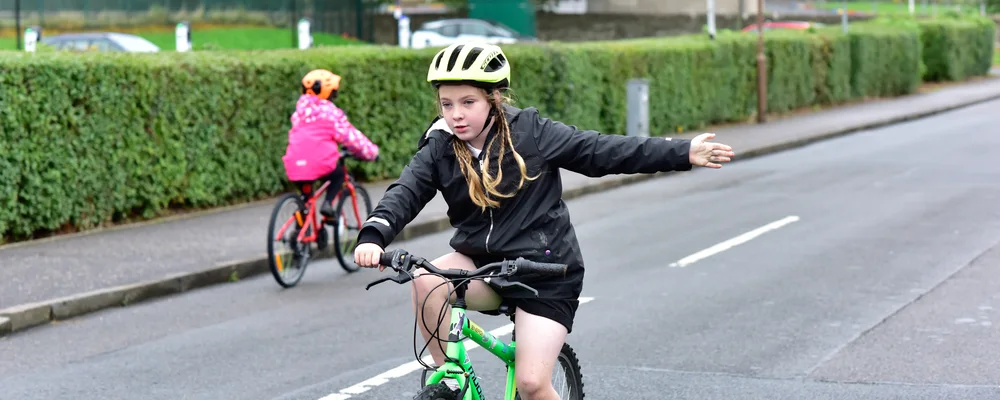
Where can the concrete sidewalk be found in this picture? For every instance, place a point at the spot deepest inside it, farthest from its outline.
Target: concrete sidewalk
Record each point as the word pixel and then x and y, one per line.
pixel 68 276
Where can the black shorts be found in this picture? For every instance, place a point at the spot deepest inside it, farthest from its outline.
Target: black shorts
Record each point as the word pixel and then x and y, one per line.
pixel 562 311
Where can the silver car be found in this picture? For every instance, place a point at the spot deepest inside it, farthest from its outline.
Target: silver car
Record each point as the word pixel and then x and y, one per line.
pixel 445 32
pixel 101 41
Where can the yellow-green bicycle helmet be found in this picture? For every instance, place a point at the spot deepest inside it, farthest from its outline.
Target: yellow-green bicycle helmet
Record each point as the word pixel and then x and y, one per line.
pixel 479 64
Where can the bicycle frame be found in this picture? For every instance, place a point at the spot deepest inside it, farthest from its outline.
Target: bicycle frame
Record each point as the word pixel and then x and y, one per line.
pixel 310 223
pixel 457 363
pixel 349 185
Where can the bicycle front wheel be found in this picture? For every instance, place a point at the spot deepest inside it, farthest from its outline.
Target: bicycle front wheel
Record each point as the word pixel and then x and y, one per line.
pixel 286 255
pixel 436 392
pixel 345 232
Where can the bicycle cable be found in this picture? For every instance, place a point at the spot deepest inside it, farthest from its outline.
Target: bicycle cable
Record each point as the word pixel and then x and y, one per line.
pixel 442 315
pixel 434 335
pixel 418 314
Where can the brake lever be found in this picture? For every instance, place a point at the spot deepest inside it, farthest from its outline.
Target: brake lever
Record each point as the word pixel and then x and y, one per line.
pixel 401 277
pixel 502 282
pixel 378 281
pixel 523 286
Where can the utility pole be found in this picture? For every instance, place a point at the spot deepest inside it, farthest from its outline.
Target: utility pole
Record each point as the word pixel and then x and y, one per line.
pixel 761 66
pixel 710 14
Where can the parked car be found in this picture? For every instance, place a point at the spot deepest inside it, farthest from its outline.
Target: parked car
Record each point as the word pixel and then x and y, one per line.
pixel 444 32
pixel 101 41
pixel 795 25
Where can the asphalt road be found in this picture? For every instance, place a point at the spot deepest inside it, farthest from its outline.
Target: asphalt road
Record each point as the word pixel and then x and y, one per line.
pixel 879 282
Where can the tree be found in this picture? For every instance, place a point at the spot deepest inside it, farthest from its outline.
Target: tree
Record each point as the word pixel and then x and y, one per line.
pixel 993 6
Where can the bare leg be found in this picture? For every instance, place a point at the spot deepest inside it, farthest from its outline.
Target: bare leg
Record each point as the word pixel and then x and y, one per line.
pixel 539 341
pixel 479 296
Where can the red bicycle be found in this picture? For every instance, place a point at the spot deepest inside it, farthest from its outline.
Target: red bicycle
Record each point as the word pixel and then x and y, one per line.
pixel 304 226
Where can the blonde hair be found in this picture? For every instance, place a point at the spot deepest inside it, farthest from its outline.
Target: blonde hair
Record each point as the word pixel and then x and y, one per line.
pixel 481 191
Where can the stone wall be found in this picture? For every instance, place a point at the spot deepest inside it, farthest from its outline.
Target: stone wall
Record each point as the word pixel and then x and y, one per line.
pixel 592 26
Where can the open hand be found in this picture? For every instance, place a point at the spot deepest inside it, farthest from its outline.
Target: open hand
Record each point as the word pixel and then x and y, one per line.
pixel 708 154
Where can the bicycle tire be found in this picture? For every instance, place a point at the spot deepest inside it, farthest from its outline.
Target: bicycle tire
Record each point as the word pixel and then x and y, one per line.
pixel 345 205
pixel 436 392
pixel 272 227
pixel 571 367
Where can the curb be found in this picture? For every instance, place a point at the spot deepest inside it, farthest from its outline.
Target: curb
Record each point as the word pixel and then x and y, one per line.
pixel 25 316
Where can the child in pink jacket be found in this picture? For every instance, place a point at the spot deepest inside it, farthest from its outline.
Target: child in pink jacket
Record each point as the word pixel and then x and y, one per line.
pixel 318 129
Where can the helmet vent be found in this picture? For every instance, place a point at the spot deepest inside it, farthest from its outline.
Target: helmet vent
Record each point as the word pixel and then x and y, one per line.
pixel 471 57
pixel 496 63
pixel 454 57
pixel 437 61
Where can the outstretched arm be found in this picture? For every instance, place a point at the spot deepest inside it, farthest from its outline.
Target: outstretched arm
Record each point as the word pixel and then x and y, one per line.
pixel 402 201
pixel 594 154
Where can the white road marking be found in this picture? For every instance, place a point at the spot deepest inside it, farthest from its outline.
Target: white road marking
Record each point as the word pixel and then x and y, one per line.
pixel 728 244
pixel 403 370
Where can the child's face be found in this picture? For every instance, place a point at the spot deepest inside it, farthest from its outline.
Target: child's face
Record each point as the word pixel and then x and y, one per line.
pixel 465 109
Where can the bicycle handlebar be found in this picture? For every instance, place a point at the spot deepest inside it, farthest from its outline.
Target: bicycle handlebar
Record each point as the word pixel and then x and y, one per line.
pixel 403 262
pixel 344 154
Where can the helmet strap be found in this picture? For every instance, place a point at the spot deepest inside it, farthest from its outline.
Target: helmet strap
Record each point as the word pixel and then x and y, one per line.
pixel 491 116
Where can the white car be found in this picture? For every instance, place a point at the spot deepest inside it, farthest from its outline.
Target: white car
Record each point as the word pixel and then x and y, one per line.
pixel 445 32
pixel 101 41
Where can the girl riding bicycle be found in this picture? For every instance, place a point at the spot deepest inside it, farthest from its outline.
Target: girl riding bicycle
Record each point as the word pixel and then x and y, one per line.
pixel 497 167
pixel 318 129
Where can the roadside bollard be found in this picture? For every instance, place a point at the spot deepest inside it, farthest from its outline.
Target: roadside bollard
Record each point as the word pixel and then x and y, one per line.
pixel 183 37
pixel 638 107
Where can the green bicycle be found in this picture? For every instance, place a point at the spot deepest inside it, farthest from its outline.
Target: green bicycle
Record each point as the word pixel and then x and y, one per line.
pixel 457 364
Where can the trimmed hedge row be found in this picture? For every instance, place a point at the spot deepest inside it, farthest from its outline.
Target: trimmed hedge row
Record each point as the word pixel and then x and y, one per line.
pixel 90 138
pixel 957 49
pixel 954 47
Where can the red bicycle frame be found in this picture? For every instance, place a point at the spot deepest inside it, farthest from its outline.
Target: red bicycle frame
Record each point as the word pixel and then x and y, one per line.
pixel 309 223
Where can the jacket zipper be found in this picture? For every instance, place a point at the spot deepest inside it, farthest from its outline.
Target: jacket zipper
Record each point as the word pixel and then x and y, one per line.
pixel 490 232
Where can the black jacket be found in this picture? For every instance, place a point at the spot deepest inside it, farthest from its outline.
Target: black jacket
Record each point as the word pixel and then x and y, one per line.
pixel 535 223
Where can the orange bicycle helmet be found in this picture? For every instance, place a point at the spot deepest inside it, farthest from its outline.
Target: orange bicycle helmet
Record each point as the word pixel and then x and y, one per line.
pixel 321 83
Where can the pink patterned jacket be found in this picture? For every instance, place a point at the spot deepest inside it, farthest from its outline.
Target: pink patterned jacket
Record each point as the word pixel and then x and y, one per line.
pixel 318 127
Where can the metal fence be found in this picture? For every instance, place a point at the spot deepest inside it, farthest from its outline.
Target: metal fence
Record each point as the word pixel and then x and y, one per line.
pixel 143 5
pixel 341 17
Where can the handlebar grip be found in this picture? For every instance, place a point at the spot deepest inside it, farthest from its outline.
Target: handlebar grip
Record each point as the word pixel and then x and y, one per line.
pixel 386 258
pixel 541 268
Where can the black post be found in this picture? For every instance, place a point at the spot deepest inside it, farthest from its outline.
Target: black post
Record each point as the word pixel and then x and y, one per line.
pixel 359 14
pixel 294 23
pixel 17 17
pixel 761 66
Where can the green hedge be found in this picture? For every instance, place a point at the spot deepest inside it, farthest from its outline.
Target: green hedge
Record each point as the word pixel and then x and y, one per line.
pixel 957 49
pixel 90 138
pixel 897 70
pixel 954 47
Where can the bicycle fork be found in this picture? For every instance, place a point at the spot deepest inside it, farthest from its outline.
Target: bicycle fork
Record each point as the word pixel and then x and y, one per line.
pixel 457 362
